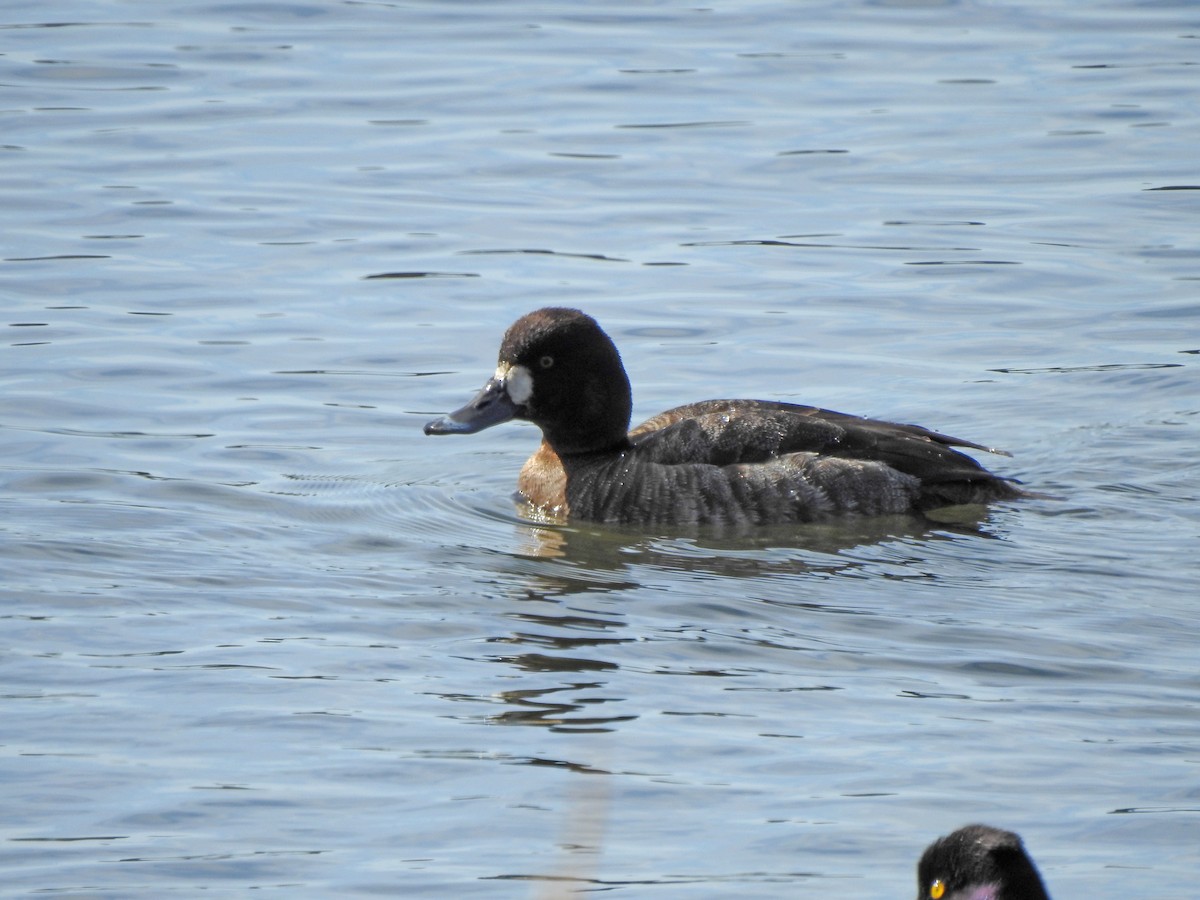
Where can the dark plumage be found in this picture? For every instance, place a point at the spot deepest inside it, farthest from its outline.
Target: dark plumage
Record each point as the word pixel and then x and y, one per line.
pixel 727 462
pixel 978 862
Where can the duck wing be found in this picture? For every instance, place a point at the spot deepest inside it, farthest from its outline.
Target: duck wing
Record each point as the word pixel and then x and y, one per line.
pixel 739 432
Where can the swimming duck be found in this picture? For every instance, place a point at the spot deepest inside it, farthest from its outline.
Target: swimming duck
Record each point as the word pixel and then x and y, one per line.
pixel 723 462
pixel 978 862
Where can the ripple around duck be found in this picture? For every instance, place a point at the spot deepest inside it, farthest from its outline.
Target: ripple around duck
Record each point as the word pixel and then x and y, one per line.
pixel 405 508
pixel 573 556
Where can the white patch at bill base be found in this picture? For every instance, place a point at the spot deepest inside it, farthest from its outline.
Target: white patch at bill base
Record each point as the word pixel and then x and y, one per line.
pixel 518 382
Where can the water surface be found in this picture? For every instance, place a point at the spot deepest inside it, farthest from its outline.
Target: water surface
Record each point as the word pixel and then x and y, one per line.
pixel 259 633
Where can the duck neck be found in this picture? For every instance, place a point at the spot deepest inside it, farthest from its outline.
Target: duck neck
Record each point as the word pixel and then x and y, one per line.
pixel 586 443
pixel 595 419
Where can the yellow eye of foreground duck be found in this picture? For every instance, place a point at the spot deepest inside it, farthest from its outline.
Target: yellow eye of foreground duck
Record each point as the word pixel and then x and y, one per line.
pixel 937 889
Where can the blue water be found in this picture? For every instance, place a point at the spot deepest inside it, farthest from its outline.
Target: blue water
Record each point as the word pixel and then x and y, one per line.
pixel 259 633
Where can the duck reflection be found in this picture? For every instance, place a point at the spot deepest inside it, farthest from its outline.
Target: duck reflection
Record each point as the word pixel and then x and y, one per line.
pixel 565 584
pixel 739 553
pixel 538 707
pixel 565 644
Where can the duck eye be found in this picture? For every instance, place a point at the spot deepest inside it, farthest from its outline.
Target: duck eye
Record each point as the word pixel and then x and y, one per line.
pixel 546 362
pixel 937 890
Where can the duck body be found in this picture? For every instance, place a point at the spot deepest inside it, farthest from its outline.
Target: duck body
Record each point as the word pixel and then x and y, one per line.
pixel 717 462
pixel 978 862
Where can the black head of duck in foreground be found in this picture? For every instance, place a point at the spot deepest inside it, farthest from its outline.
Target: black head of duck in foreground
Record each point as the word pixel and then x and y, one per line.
pixel 721 462
pixel 978 862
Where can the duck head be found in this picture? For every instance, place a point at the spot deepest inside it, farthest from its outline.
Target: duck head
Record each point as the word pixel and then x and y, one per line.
pixel 978 862
pixel 559 370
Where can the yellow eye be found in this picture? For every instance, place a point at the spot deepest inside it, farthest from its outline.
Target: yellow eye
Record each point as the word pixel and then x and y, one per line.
pixel 546 362
pixel 937 889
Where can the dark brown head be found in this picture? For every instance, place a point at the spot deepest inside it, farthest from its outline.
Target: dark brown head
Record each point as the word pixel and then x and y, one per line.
pixel 978 862
pixel 559 370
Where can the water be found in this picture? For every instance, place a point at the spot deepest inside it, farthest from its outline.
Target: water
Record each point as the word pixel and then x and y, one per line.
pixel 260 633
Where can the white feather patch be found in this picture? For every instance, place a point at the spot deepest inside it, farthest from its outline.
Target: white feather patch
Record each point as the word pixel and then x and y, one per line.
pixel 519 384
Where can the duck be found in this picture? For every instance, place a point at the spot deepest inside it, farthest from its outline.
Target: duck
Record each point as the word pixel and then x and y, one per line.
pixel 978 862
pixel 715 462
